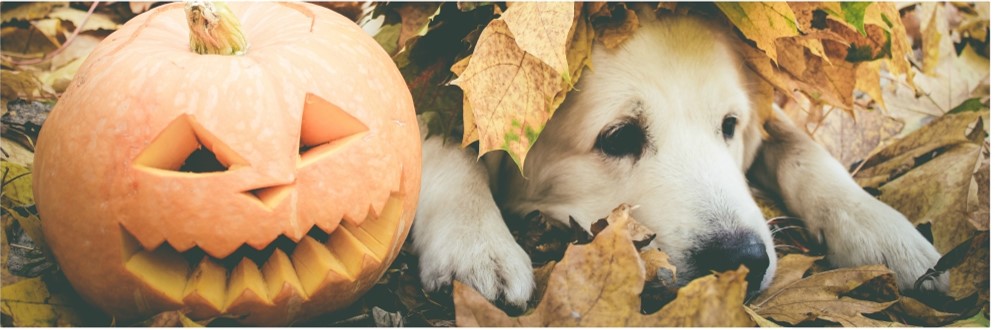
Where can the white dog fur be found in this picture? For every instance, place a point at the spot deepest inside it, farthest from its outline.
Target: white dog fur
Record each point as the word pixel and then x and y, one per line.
pixel 678 79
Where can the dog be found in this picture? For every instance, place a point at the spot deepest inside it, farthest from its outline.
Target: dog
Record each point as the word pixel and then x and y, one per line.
pixel 666 121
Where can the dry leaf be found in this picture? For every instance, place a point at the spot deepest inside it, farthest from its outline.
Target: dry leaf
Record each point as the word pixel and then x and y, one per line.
pixel 29 303
pixel 793 299
pixel 415 17
pixel 598 284
pixel 509 93
pixel 30 11
pixel 927 177
pixel 542 29
pixel 96 21
pixel 138 7
pixel 23 84
pixel 973 274
pixel 762 22
pixel 848 136
pixel 923 314
pixel 614 24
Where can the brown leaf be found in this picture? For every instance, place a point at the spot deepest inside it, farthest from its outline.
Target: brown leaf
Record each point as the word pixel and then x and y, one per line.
pixel 848 136
pixel 30 303
pixel 908 307
pixel 542 29
pixel 598 284
pixel 820 296
pixel 981 218
pixel 30 11
pixel 509 92
pixel 23 84
pixel 415 17
pixel 973 274
pixel 614 24
pixel 900 157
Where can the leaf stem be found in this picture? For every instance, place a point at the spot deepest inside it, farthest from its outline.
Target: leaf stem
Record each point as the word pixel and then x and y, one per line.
pixel 214 29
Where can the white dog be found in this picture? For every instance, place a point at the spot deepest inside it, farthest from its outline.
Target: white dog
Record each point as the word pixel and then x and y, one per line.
pixel 664 121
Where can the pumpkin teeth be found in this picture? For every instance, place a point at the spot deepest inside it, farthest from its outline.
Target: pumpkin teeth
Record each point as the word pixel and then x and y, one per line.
pixel 319 264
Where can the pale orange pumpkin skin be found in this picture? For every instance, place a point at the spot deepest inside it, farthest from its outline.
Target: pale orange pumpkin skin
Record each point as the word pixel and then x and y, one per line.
pixel 142 78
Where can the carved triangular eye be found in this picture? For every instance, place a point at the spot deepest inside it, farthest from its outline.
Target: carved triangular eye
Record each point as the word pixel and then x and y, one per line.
pixel 324 125
pixel 185 146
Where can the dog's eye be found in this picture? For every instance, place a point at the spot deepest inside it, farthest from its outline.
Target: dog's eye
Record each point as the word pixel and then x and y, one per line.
pixel 620 140
pixel 729 127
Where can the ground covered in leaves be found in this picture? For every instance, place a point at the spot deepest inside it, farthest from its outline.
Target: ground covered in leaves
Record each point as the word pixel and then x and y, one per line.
pixel 899 94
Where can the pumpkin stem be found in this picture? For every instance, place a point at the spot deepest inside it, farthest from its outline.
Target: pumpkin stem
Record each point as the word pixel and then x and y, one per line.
pixel 214 29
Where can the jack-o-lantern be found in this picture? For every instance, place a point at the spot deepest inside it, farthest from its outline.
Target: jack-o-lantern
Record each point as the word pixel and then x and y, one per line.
pixel 270 175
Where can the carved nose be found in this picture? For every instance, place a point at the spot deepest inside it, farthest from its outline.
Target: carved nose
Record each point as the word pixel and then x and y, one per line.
pixel 728 251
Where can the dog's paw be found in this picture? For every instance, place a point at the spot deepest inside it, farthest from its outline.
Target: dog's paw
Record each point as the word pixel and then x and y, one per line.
pixel 494 265
pixel 873 233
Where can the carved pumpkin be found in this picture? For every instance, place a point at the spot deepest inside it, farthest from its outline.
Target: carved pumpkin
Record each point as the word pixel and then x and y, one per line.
pixel 273 186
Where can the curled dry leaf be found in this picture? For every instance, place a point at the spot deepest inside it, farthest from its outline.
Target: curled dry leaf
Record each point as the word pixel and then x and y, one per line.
pixel 598 284
pixel 793 299
pixel 614 23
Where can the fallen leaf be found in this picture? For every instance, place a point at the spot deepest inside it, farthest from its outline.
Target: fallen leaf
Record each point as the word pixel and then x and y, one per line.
pixel 920 313
pixel 29 303
pixel 172 319
pixel 30 11
pixel 899 157
pixel 16 176
pixel 973 274
pixel 794 300
pixel 977 321
pixel 542 29
pixel 385 319
pixel 415 17
pixel 851 136
pixel 981 219
pixel 23 84
pixel 95 21
pixel 762 22
pixel 790 269
pixel 760 320
pixel 614 24
pixel 598 284
pixel 26 258
pixel 509 92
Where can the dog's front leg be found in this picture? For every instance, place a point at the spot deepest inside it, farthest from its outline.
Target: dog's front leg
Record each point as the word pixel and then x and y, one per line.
pixel 459 232
pixel 856 228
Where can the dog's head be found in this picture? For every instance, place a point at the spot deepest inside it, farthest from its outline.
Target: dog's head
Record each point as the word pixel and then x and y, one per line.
pixel 665 122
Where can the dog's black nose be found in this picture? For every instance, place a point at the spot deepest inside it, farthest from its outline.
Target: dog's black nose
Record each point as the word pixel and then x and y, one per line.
pixel 727 252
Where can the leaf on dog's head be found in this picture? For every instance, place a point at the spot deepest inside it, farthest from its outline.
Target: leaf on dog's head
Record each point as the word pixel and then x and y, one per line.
pixel 598 284
pixel 793 299
pixel 542 29
pixel 762 22
pixel 614 23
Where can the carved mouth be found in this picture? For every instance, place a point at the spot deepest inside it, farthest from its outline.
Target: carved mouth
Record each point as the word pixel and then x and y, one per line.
pixel 282 270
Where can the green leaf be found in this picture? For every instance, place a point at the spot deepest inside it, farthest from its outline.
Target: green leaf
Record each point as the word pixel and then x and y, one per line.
pixel 972 105
pixel 853 13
